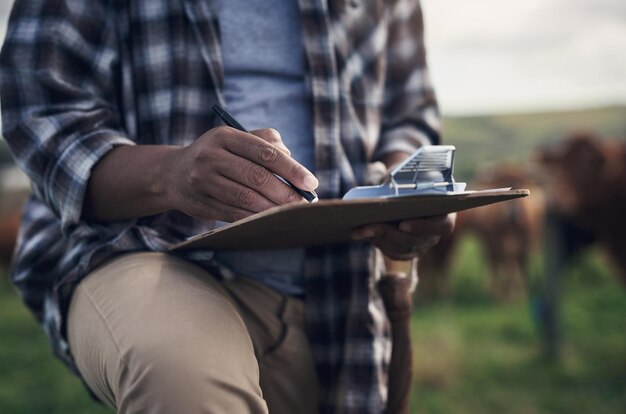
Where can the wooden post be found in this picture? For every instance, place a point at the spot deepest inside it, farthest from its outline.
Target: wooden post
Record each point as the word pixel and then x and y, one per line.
pixel 395 289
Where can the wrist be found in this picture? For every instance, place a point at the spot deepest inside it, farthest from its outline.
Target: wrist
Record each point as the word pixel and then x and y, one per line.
pixel 131 181
pixel 164 181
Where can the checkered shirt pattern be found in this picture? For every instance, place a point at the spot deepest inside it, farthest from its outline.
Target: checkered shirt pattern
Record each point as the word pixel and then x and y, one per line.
pixel 79 77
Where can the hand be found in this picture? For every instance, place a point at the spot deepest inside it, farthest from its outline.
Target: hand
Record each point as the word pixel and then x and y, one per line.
pixel 408 239
pixel 227 175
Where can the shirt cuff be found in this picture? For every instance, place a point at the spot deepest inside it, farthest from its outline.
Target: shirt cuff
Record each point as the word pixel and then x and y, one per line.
pixel 67 181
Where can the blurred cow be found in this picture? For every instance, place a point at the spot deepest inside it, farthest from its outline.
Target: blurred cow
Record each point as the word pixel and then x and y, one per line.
pixel 586 182
pixel 508 231
pixel 9 226
pixel 14 189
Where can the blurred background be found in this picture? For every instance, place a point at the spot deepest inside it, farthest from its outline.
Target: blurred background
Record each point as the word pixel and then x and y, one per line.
pixel 523 309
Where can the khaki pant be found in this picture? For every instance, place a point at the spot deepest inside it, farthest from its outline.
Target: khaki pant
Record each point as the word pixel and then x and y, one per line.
pixel 151 333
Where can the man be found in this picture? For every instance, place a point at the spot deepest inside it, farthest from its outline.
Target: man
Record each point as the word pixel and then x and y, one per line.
pixel 106 105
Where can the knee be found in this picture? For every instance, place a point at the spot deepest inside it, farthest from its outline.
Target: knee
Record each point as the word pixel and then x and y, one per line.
pixel 188 366
pixel 175 341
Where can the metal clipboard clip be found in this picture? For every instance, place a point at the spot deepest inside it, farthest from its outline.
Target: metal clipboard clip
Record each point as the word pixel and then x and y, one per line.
pixel 427 171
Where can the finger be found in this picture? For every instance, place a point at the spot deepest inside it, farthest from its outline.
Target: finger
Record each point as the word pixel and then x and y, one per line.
pixel 438 225
pixel 237 195
pixel 260 152
pixel 273 137
pixel 386 235
pixel 371 231
pixel 396 243
pixel 207 208
pixel 258 179
pixel 403 251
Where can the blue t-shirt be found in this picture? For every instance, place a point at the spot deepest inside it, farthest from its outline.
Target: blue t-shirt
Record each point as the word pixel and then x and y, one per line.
pixel 264 86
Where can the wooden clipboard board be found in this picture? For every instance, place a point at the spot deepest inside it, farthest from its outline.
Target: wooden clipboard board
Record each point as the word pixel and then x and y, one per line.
pixel 331 221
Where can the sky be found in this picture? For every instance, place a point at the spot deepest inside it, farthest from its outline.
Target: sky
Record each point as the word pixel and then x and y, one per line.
pixel 501 56
pixel 494 56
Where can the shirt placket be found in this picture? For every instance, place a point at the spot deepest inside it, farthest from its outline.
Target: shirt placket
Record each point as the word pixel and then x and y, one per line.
pixel 324 84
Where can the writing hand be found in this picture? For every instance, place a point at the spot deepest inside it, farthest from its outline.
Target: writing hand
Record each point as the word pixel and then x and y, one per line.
pixel 226 174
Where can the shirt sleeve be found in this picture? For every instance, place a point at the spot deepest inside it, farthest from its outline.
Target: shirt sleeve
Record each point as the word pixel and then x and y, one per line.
pixel 410 112
pixel 58 81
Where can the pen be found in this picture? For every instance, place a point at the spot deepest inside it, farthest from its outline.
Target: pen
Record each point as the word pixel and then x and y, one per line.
pixel 228 119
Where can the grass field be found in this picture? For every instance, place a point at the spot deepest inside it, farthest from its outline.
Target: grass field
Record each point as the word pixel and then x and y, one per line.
pixel 32 381
pixel 472 355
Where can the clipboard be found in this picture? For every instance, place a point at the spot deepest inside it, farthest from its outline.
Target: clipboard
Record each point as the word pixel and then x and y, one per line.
pixel 421 186
pixel 332 221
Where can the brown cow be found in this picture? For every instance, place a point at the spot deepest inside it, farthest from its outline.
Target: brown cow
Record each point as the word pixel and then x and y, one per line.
pixel 508 231
pixel 586 178
pixel 14 189
pixel 9 226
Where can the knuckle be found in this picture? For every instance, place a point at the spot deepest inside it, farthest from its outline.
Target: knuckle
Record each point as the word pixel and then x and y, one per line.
pixel 198 156
pixel 267 154
pixel 270 135
pixel 195 179
pixel 246 198
pixel 273 135
pixel 211 137
pixel 258 175
pixel 203 154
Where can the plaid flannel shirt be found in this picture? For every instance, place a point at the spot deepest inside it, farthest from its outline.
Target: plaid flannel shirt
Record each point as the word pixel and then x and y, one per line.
pixel 80 77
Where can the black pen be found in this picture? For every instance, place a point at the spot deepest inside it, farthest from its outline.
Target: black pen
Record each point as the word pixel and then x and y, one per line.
pixel 228 119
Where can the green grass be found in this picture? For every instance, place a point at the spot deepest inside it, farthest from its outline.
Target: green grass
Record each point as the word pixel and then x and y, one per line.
pixel 472 354
pixel 32 381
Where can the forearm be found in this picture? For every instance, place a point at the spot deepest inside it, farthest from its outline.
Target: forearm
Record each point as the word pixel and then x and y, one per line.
pixel 130 182
pixel 223 175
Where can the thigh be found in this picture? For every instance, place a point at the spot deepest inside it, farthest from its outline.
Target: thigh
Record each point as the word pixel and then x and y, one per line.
pixel 276 325
pixel 156 334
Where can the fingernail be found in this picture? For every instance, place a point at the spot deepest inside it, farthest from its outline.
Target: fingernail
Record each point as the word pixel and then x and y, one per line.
pixel 310 182
pixel 406 227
